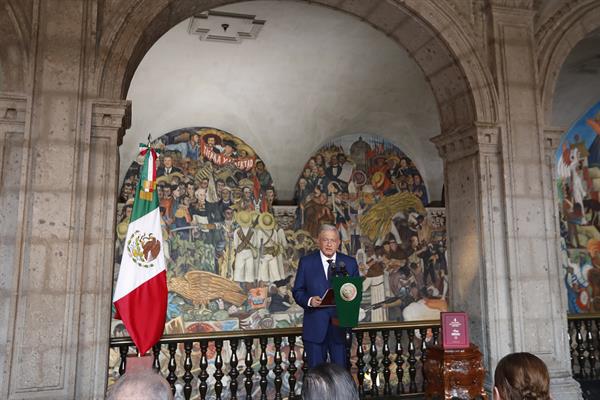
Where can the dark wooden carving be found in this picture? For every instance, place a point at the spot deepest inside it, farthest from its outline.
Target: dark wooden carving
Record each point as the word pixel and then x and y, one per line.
pixel 292 367
pixel 454 374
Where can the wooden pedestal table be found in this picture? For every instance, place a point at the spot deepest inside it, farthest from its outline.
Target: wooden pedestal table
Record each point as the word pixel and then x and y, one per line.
pixel 454 373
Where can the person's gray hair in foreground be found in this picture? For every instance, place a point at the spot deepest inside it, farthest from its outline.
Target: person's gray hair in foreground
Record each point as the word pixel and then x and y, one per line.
pixel 143 385
pixel 329 381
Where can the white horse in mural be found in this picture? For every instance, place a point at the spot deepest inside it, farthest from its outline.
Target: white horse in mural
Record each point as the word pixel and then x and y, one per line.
pixel 567 169
pixel 424 309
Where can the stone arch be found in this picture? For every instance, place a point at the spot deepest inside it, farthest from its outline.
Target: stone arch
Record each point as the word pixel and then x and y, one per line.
pixel 555 40
pixel 431 32
pixel 13 48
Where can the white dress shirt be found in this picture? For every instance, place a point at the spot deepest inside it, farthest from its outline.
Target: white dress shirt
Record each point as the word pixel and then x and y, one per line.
pixel 325 267
pixel 325 263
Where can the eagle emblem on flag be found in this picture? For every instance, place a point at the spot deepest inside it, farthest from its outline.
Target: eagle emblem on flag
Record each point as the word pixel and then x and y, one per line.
pixel 143 248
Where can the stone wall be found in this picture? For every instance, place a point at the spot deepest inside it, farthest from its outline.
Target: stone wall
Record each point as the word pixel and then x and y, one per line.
pixel 62 114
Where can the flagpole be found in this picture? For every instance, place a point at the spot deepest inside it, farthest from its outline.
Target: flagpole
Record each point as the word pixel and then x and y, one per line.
pixel 149 141
pixel 139 354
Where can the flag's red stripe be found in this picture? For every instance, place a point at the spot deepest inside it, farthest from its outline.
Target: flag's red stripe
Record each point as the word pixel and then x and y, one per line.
pixel 143 311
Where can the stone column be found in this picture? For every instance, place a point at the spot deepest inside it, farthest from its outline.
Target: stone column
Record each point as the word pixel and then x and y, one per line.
pixel 24 360
pixel 107 122
pixel 502 215
pixel 43 332
pixel 54 328
pixel 538 306
pixel 473 175
pixel 13 157
pixel 483 281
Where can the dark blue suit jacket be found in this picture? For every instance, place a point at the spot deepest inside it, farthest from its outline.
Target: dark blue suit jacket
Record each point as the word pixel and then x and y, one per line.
pixel 311 281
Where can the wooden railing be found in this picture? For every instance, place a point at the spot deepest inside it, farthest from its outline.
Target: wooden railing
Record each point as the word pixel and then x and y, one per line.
pixel 386 359
pixel 584 341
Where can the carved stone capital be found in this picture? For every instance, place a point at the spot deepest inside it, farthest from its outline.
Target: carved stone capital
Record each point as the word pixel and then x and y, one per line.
pixel 518 4
pixel 511 12
pixel 13 109
pixel 552 137
pixel 111 116
pixel 468 141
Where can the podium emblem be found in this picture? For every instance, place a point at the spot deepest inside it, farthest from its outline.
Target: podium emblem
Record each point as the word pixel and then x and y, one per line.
pixel 348 291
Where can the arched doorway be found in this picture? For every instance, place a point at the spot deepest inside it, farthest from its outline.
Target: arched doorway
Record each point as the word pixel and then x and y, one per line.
pixel 462 86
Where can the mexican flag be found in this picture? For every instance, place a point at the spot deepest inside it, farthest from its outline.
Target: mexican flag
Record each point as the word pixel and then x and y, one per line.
pixel 141 292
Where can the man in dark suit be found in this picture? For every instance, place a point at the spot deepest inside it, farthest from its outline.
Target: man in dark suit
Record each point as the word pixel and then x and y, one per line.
pixel 167 168
pixel 321 333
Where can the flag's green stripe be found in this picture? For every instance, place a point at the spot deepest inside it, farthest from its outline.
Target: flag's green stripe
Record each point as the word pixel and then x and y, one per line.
pixel 142 207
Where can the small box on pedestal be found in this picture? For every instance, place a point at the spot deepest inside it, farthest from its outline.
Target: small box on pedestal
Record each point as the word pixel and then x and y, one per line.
pixel 455 368
pixel 455 330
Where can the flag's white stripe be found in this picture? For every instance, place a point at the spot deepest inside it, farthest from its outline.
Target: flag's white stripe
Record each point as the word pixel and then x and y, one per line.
pixel 130 274
pixel 150 167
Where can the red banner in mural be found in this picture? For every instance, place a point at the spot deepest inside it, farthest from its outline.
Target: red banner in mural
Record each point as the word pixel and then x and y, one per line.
pixel 215 155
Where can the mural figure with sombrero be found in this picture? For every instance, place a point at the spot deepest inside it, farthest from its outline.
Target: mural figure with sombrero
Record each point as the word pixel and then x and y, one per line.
pixel 271 244
pixel 245 246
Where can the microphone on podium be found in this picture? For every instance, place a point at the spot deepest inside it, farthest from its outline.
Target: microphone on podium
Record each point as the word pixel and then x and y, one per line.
pixel 342 269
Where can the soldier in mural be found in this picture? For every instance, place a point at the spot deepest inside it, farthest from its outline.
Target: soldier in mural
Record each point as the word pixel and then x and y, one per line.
pixel 271 244
pixel 228 228
pixel 245 246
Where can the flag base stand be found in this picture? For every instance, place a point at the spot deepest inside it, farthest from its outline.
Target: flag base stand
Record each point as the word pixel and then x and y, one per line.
pixel 137 364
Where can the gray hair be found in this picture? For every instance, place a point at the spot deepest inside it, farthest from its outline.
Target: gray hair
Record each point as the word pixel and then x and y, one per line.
pixel 146 385
pixel 329 381
pixel 328 228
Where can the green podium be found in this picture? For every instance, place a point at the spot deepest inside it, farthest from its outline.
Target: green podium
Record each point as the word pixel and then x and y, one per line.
pixel 348 295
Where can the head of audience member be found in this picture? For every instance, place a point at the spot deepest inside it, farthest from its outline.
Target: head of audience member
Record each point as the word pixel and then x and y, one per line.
pixel 142 385
pixel 521 376
pixel 329 381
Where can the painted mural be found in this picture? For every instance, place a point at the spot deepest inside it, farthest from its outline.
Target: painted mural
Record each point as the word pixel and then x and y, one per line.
pixel 232 253
pixel 578 188
pixel 374 194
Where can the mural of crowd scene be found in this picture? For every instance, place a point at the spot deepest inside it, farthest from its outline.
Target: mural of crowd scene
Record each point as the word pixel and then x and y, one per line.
pixel 578 187
pixel 223 247
pixel 232 255
pixel 227 266
pixel 374 194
